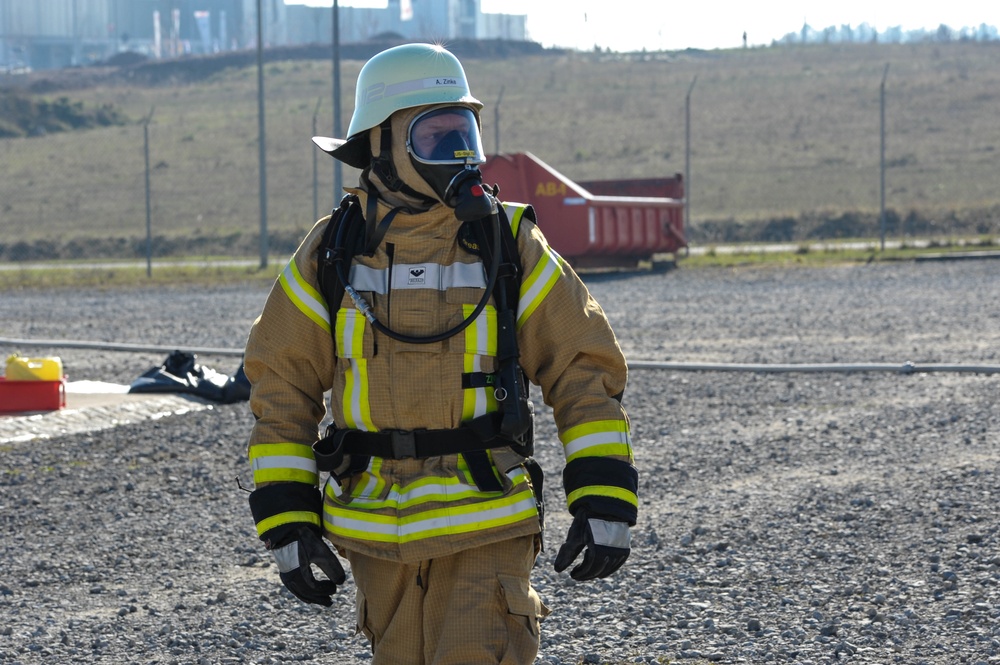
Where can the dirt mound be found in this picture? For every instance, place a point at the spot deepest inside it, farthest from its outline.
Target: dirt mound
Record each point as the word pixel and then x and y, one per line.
pixel 136 69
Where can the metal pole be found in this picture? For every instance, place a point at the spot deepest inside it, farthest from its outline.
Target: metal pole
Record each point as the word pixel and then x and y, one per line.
pixel 315 165
pixel 881 214
pixel 338 167
pixel 496 120
pixel 149 216
pixel 261 139
pixel 687 156
pixel 75 58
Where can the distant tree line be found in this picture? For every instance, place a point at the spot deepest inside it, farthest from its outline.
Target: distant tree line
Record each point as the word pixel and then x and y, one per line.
pixel 866 34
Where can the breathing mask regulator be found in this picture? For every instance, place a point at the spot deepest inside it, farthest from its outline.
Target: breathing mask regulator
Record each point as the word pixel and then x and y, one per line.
pixel 445 149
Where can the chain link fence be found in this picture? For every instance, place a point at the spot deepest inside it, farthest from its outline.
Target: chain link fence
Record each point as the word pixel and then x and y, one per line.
pixel 896 142
pixel 777 146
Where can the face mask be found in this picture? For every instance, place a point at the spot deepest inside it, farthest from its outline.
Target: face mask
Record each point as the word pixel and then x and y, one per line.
pixel 445 149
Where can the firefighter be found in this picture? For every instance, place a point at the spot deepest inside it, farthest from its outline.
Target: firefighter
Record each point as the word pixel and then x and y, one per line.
pixel 431 494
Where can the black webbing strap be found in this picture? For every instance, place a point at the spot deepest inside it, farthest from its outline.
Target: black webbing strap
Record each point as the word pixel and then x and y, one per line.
pixel 478 435
pixel 471 441
pixel 348 212
pixel 478 380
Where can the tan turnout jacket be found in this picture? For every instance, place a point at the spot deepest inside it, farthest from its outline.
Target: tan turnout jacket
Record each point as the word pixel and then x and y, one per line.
pixel 421 281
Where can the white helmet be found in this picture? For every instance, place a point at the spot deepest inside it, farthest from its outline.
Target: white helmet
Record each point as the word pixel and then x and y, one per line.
pixel 398 78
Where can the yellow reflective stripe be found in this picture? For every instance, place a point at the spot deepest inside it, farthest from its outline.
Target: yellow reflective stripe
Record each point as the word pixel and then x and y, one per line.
pixel 259 450
pixel 471 397
pixel 474 517
pixel 445 521
pixel 284 475
pixel 350 333
pixel 538 284
pixel 598 438
pixel 514 213
pixel 603 490
pixel 373 482
pixel 378 528
pixel 302 294
pixel 273 462
pixel 481 335
pixel 356 405
pixel 435 488
pixel 287 518
pixel 480 340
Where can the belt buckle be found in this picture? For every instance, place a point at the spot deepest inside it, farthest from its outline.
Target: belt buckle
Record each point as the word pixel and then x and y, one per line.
pixel 403 444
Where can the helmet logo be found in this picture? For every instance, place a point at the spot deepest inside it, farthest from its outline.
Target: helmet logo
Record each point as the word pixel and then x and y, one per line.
pixel 373 93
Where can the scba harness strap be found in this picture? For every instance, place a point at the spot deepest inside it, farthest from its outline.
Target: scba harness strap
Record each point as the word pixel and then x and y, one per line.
pixel 345 451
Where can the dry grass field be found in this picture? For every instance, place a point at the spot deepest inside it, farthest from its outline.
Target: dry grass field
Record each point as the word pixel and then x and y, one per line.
pixel 783 140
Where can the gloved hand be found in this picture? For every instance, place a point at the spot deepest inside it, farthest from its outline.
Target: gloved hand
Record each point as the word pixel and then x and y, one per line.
pixel 608 545
pixel 295 560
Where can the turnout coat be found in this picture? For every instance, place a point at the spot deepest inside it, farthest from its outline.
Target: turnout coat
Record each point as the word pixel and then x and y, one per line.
pixel 422 281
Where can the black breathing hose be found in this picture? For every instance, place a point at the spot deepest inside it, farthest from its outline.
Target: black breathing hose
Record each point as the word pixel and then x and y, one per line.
pixel 366 309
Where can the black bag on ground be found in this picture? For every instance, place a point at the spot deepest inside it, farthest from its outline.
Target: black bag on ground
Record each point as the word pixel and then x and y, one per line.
pixel 179 373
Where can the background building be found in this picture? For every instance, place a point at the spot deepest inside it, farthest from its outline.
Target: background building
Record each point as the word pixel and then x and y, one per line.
pixel 409 19
pixel 48 34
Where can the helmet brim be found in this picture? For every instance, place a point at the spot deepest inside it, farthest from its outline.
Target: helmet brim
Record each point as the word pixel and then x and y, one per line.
pixel 354 151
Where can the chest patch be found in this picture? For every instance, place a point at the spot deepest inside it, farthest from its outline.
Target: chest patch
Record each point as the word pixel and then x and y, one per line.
pixel 416 275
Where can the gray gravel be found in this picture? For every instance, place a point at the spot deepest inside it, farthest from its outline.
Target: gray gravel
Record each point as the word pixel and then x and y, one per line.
pixel 785 518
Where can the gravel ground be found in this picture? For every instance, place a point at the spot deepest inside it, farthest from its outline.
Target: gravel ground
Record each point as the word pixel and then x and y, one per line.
pixel 785 518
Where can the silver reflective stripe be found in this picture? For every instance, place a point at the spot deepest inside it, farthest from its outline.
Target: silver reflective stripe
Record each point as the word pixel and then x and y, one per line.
pixel 287 557
pixel 418 276
pixel 611 534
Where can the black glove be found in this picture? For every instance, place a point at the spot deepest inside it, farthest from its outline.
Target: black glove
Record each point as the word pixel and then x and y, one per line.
pixel 295 560
pixel 607 541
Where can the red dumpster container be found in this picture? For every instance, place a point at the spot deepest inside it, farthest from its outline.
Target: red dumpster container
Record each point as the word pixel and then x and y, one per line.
pixel 602 223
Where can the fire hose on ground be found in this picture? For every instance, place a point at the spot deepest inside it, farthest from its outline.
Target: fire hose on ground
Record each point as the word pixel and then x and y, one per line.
pixel 763 368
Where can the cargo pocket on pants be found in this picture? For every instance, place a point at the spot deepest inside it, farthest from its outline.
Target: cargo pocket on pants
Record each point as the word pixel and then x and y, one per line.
pixel 524 612
pixel 361 618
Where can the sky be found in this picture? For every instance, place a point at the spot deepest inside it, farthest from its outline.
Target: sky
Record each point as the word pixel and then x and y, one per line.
pixel 630 25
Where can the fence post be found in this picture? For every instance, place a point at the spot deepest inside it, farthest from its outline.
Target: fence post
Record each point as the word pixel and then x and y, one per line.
pixel 881 214
pixel 338 167
pixel 319 101
pixel 261 139
pixel 149 215
pixel 496 120
pixel 687 157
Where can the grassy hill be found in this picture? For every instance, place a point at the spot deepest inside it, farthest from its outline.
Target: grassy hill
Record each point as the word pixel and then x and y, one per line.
pixel 785 143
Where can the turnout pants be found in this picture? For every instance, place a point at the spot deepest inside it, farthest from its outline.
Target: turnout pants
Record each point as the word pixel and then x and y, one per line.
pixel 476 607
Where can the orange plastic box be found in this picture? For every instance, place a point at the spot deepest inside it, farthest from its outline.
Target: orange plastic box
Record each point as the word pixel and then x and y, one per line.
pixel 17 396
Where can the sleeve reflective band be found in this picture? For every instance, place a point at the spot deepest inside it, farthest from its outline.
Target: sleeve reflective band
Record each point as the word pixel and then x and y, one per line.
pixel 304 296
pixel 606 486
pixel 276 507
pixel 536 285
pixel 602 438
pixel 283 462
pixel 514 213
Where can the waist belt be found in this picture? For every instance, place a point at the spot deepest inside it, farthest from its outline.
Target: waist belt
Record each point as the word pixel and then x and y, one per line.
pixel 419 444
pixel 472 440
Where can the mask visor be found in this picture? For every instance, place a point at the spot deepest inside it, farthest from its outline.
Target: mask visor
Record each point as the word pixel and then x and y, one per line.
pixel 448 135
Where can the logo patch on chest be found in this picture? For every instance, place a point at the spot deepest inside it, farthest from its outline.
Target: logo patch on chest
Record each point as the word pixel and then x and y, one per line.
pixel 416 275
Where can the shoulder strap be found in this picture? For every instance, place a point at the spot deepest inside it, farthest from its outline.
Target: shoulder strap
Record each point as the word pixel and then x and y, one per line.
pixel 510 218
pixel 347 227
pixel 516 423
pixel 508 280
